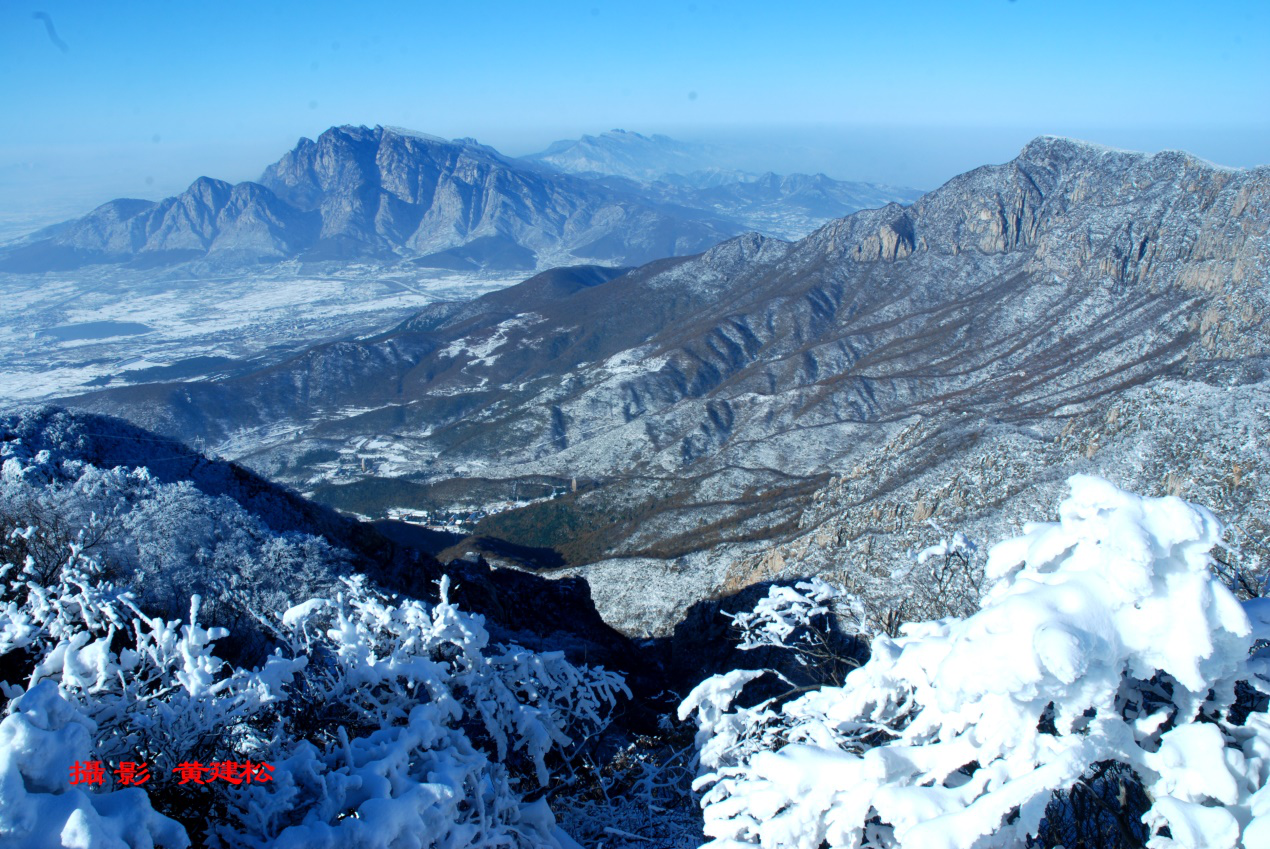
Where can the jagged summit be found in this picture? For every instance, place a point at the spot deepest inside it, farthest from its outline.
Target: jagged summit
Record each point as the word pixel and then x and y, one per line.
pixel 1020 203
pixel 1048 141
pixel 416 134
pixel 1052 148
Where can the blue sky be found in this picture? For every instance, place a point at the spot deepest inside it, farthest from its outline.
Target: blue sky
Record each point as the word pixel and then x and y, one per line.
pixel 149 95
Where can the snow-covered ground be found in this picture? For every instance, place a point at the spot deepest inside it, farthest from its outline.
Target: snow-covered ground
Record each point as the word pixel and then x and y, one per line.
pixel 69 332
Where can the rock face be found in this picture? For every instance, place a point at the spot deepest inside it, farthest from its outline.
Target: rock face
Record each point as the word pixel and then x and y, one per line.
pixel 382 194
pixel 768 408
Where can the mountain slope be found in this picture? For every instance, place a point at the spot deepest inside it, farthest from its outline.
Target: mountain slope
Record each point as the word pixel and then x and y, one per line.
pixel 193 488
pixel 726 416
pixel 383 194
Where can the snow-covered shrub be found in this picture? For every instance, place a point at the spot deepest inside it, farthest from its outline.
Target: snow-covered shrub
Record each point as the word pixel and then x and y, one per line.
pixel 814 620
pixel 639 795
pixel 41 735
pixel 387 723
pixel 165 541
pixel 1104 655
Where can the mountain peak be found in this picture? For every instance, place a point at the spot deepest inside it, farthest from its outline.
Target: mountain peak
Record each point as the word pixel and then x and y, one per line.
pixel 209 191
pixel 387 194
pixel 1062 150
pixel 417 134
pixel 625 153
pixel 206 182
pixel 355 130
pixel 1050 146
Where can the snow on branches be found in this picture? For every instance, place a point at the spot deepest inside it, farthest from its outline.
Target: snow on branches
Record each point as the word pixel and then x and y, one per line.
pixel 810 619
pixel 1104 649
pixel 388 723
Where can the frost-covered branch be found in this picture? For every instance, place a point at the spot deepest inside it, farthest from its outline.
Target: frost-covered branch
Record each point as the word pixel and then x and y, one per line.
pixel 1105 655
pixel 369 706
pixel 814 620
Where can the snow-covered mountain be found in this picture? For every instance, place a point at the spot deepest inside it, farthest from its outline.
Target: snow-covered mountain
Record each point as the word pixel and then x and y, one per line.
pixel 379 194
pixel 398 197
pixel 190 523
pixel 766 407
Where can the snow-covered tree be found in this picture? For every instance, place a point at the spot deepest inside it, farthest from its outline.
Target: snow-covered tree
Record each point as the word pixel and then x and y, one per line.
pixel 814 620
pixel 1105 666
pixel 942 579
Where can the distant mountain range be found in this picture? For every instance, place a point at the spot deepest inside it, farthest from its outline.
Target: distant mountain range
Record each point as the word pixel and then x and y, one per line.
pixel 378 194
pixel 721 419
pixel 786 207
pixel 395 196
pixel 619 153
pixel 695 175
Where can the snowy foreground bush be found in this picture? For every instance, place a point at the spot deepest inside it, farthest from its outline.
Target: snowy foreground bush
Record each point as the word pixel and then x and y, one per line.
pixel 165 541
pixel 1105 671
pixel 386 724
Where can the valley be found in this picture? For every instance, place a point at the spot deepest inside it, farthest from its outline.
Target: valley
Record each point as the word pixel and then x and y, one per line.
pixel 767 408
pixel 864 445
pixel 67 332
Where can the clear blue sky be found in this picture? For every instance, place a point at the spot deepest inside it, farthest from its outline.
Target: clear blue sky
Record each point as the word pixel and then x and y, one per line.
pixel 148 95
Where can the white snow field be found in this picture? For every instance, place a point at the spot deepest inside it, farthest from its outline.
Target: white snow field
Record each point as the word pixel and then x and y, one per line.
pixel 69 332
